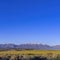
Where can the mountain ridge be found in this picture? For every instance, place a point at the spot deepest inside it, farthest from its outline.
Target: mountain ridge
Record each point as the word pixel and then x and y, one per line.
pixel 30 46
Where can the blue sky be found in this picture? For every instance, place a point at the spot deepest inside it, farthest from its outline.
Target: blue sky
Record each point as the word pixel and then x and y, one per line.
pixel 30 21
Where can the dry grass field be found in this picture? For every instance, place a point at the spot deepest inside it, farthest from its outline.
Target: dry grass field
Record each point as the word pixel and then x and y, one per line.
pixel 30 52
pixel 12 54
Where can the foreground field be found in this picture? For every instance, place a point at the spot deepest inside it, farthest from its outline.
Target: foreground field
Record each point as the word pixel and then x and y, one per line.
pixel 27 54
pixel 33 52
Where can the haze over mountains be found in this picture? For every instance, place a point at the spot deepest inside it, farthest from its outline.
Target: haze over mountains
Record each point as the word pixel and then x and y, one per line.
pixel 29 46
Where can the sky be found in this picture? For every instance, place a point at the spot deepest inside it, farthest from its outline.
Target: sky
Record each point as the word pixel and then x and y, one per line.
pixel 30 21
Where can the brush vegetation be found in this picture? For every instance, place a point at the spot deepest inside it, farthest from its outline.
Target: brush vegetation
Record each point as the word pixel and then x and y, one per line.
pixel 30 54
pixel 34 52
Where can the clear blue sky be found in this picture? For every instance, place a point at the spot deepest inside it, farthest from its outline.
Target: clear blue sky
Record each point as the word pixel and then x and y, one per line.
pixel 30 21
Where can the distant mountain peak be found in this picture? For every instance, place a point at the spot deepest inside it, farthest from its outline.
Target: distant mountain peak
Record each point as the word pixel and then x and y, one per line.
pixel 30 46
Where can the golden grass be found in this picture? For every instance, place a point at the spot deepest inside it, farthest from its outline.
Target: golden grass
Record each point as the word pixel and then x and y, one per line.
pixel 28 52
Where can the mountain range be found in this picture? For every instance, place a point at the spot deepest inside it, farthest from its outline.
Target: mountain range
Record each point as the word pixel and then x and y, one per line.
pixel 29 46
